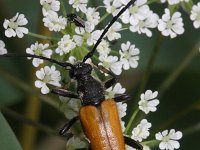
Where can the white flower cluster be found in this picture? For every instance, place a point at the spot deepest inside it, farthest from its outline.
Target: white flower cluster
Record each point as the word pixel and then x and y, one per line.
pixel 51 18
pixel 46 76
pixel 65 45
pixel 171 25
pixel 148 102
pixel 39 50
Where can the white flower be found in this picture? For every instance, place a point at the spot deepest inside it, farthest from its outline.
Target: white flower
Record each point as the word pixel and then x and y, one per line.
pixel 92 16
pixel 141 131
pixel 86 35
pixel 117 89
pixel 65 45
pixel 112 63
pixel 137 11
pixel 46 76
pixel 49 6
pixel 79 4
pixel 112 32
pixel 148 101
pixel 149 20
pixel 103 48
pixel 171 25
pixel 3 50
pixel 129 55
pixel 112 6
pixel 169 140
pixel 53 22
pixel 14 26
pixel 39 49
pixel 195 15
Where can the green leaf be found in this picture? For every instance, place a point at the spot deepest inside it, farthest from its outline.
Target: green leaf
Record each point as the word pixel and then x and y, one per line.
pixel 8 140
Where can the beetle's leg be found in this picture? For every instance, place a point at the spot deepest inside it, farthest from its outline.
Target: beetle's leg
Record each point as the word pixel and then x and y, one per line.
pixel 63 131
pixel 132 143
pixel 121 98
pixel 64 93
pixel 111 81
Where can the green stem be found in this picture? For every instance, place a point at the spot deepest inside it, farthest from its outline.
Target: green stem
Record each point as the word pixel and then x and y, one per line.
pixel 104 17
pixel 25 87
pixel 150 64
pixel 179 69
pixel 129 125
pixel 63 8
pixel 151 143
pixel 113 52
pixel 42 36
pixel 192 129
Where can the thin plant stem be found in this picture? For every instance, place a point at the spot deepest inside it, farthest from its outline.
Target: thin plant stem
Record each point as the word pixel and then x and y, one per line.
pixel 179 69
pixel 151 143
pixel 192 129
pixel 23 119
pixel 63 8
pixel 42 36
pixel 104 17
pixel 129 125
pixel 150 64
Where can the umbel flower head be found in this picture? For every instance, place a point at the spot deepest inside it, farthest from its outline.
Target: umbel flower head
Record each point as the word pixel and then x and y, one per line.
pixel 73 42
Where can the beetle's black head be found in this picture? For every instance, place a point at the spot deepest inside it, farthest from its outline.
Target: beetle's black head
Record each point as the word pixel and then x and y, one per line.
pixel 79 70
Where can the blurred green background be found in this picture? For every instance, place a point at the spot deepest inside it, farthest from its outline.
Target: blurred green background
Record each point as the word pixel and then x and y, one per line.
pixel 175 74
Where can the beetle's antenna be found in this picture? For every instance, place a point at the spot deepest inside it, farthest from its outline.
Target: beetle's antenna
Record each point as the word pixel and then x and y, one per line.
pixel 15 55
pixel 90 54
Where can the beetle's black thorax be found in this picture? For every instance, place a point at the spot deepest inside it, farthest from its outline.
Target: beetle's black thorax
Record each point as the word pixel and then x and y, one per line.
pixel 90 90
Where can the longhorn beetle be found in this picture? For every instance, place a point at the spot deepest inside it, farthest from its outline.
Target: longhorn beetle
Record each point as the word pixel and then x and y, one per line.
pixel 99 117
